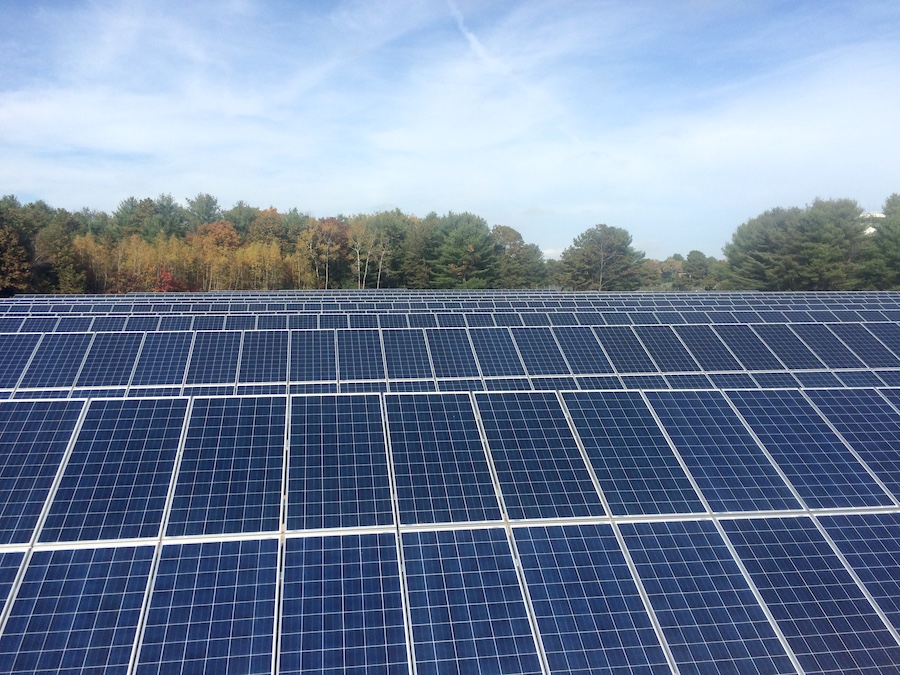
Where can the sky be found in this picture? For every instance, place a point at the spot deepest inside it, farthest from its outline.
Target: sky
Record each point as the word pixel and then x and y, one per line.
pixel 677 120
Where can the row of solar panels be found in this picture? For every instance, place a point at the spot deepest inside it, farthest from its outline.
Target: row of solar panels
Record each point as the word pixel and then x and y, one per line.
pixel 411 301
pixel 755 450
pixel 662 584
pixel 70 323
pixel 35 361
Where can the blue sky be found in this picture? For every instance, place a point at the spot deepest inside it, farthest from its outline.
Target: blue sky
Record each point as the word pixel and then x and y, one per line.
pixel 676 120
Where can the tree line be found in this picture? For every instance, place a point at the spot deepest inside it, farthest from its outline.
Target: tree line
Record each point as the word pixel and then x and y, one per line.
pixel 161 245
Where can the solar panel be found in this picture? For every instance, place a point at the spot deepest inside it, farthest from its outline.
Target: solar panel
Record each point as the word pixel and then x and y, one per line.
pixel 539 351
pixel 582 351
pixel 624 350
pixel 707 611
pixel 313 355
pixel 229 479
pixel 747 347
pixel 264 357
pixel 731 470
pixel 56 360
pixel 405 353
pixel 871 350
pixel 116 480
pixel 466 605
pixel 496 352
pixel 541 471
pixel 359 355
pixel 588 607
pixel 440 467
pixel 212 609
pixel 666 349
pixel 338 468
pixel 110 360
pixel 214 358
pixel 451 353
pixel 16 350
pixel 830 625
pixel 163 359
pixel 787 346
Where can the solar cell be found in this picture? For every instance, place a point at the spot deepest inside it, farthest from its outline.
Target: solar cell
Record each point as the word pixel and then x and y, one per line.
pixel 229 480
pixel 338 471
pixel 466 605
pixel 440 467
pixel 342 610
pixel 359 355
pixel 707 611
pixel 588 608
pixel 729 467
pixel 636 468
pixel 77 611
pixel 829 624
pixel 116 480
pixel 163 359
pixel 540 468
pixel 212 609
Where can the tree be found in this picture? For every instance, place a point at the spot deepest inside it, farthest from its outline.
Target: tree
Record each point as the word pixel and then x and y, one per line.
pixel 204 208
pixel 14 265
pixel 322 246
pixel 602 259
pixel 821 247
pixel 892 206
pixel 267 227
pixel 466 255
pixel 519 265
pixel 241 215
pixel 418 252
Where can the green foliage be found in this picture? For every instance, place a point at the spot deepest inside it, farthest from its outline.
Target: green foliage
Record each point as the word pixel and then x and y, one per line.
pixel 466 255
pixel 14 264
pixel 519 265
pixel 822 247
pixel 602 259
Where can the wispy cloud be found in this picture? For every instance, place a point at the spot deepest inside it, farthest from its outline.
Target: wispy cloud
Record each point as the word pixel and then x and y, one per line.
pixel 675 121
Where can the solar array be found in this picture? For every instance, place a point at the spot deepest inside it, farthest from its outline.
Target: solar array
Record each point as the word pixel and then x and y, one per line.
pixel 450 482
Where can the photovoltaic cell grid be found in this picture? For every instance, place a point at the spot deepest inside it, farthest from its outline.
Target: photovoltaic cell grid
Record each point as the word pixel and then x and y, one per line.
pixel 296 528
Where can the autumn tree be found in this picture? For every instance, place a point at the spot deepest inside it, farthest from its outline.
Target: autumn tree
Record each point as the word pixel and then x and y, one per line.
pixel 266 227
pixel 602 259
pixel 321 248
pixel 204 208
pixel 14 264
pixel 213 244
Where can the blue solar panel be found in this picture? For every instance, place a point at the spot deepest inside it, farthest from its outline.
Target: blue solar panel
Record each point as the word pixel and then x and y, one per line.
pixel 666 349
pixel 787 346
pixel 264 357
pixel 163 359
pixel 440 468
pixel 359 355
pixel 589 612
pixel 214 358
pixel 729 467
pixel 746 345
pixel 871 544
pixel 313 356
pixel 56 361
pixel 110 360
pixel 625 350
pixel 582 351
pixel 117 477
pixel 539 351
pixel 33 440
pixel 496 352
pixel 709 351
pixel 827 346
pixel 212 609
pixel 451 353
pixel 816 462
pixel 230 475
pixel 827 620
pixel 16 350
pixel 708 613
pixel 869 424
pixel 540 468
pixel 405 353
pixel 636 468
pixel 76 611
pixel 338 473
pixel 867 346
pixel 466 604
pixel 342 610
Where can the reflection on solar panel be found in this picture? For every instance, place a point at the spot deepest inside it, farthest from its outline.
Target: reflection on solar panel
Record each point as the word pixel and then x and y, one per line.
pixel 627 483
